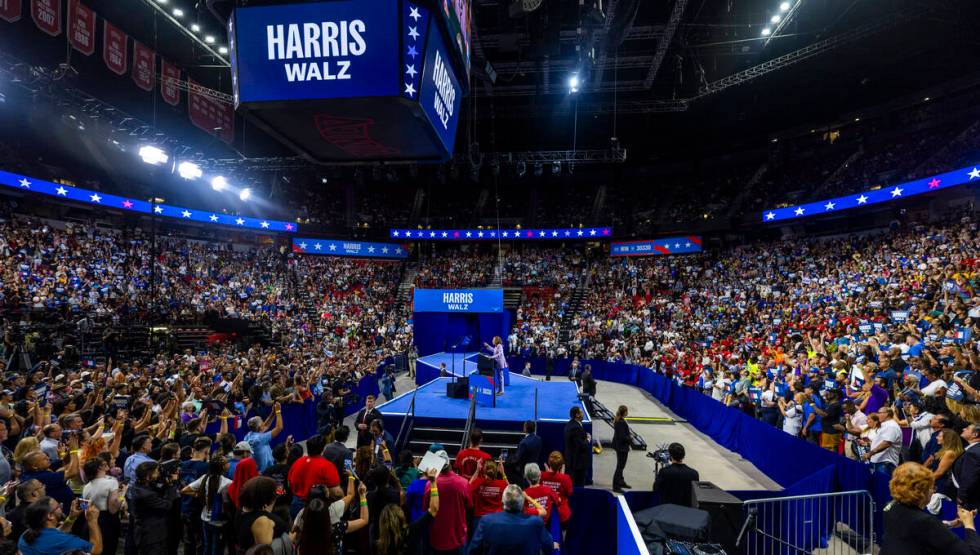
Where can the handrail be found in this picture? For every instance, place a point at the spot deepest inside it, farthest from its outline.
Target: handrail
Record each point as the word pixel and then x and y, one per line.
pixel 470 418
pixel 406 428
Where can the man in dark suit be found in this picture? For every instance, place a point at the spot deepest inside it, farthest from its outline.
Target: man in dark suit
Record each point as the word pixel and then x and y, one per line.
pixel 363 421
pixel 588 386
pixel 337 452
pixel 528 451
pixel 578 446
pixel 966 470
pixel 673 482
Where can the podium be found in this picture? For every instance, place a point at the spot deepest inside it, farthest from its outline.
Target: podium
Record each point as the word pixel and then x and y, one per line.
pixel 484 365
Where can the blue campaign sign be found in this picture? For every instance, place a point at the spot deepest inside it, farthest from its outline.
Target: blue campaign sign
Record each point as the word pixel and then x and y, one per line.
pixel 340 247
pixel 440 94
pixel 339 49
pixel 482 387
pixel 459 300
pixel 654 247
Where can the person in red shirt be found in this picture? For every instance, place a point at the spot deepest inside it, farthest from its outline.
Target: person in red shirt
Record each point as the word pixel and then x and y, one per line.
pixel 312 470
pixel 487 487
pixel 544 495
pixel 468 460
pixel 448 531
pixel 556 479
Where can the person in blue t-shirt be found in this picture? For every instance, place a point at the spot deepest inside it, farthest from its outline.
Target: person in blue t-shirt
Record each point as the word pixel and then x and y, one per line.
pixel 43 518
pixel 258 438
pixel 811 421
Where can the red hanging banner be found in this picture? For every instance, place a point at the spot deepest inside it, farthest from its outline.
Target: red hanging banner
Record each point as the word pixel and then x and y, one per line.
pixel 114 48
pixel 211 115
pixel 81 27
pixel 47 16
pixel 144 66
pixel 10 10
pixel 169 76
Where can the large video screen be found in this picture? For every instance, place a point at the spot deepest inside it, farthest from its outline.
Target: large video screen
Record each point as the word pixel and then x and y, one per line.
pixel 458 14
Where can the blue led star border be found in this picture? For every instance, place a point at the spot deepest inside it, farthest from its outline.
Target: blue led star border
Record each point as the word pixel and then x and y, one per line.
pixel 341 247
pixel 562 233
pixel 877 196
pixel 77 194
pixel 656 247
pixel 415 23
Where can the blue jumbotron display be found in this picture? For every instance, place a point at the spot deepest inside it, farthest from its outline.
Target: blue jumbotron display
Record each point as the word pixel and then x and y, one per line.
pixel 875 196
pixel 655 247
pixel 77 194
pixel 458 300
pixel 563 233
pixel 341 247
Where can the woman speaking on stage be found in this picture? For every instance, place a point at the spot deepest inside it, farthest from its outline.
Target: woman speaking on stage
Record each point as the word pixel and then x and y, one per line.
pixel 499 362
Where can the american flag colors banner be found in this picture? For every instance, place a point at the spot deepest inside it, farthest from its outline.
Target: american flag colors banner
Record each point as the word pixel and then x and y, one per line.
pixel 341 247
pixel 144 66
pixel 654 247
pixel 47 16
pixel 81 27
pixel 114 48
pixel 28 184
pixel 10 10
pixel 563 234
pixel 874 196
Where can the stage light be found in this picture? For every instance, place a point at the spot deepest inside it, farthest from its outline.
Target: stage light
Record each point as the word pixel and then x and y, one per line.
pixel 784 7
pixel 219 183
pixel 573 83
pixel 209 39
pixel 178 12
pixel 766 31
pixel 153 155
pixel 775 19
pixel 195 27
pixel 161 1
pixel 222 50
pixel 245 194
pixel 323 180
pixel 189 170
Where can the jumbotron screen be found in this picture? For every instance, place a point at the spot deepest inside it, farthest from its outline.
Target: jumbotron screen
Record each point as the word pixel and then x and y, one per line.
pixel 457 14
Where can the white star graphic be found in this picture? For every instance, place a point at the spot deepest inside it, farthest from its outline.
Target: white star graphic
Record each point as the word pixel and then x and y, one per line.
pixel 265 225
pixel 469 234
pixel 61 191
pixel 213 217
pixel 25 183
pixel 240 221
pixel 409 89
pixel 414 13
pixel 158 209
pixel 444 234
pixel 554 234
pixel 394 233
pixel 95 198
pixel 432 234
pixel 541 234
pixel 567 233
pixel 332 247
pixel 370 249
pixel 493 234
pixel 505 234
pixel 688 245
pixel 580 233
pixel 975 174
pixel 677 245
pixel 592 232
pixel 316 246
pixel 479 234
pixel 829 206
pixel 770 216
pixel 799 211
pixel 410 71
pixel 384 250
pixel 896 192
pixel 302 246
pixel 398 250
pixel 862 199
pixel 408 234
pixel 186 214
pixel 412 32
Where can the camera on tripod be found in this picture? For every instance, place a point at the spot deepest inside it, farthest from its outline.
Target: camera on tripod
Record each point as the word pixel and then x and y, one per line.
pixel 661 455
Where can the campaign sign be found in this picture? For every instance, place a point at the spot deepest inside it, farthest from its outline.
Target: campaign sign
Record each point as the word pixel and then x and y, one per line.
pixel 340 49
pixel 441 96
pixel 655 247
pixel 340 247
pixel 459 300
pixel 482 387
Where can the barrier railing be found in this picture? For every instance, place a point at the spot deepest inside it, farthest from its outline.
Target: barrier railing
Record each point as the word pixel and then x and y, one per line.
pixel 833 523
pixel 470 418
pixel 406 428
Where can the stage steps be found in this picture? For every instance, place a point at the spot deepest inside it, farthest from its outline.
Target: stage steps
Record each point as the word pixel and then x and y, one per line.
pixel 494 441
pixel 574 306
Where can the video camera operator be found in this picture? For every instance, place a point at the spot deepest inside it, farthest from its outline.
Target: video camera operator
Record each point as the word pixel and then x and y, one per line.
pixel 150 501
pixel 673 482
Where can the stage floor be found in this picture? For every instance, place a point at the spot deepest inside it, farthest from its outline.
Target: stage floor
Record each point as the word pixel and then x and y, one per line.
pixel 516 404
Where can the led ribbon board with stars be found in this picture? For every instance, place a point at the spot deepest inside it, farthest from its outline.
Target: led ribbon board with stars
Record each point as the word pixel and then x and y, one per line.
pixel 97 198
pixel 877 196
pixel 564 234
pixel 657 247
pixel 340 247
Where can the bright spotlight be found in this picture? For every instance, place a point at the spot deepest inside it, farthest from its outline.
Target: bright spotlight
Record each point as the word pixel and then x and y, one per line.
pixel 222 50
pixel 245 194
pixel 189 170
pixel 209 39
pixel 178 12
pixel 153 155
pixel 195 27
pixel 219 183
pixel 775 19
pixel 766 31
pixel 784 7
pixel 573 83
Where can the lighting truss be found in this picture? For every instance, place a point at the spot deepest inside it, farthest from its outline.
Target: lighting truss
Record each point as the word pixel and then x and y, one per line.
pixel 664 43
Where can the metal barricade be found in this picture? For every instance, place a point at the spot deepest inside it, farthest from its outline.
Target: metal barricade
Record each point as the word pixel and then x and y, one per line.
pixel 824 524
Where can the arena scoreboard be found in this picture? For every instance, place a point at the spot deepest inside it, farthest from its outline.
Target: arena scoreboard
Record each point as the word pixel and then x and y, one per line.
pixel 352 80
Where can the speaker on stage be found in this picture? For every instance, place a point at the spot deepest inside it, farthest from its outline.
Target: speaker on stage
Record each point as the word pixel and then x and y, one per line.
pixel 725 510
pixel 458 389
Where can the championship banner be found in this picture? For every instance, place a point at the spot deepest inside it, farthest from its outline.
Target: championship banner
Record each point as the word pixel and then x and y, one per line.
pixel 10 10
pixel 169 76
pixel 81 27
pixel 654 247
pixel 340 247
pixel 209 114
pixel 114 48
pixel 47 16
pixel 459 300
pixel 144 66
